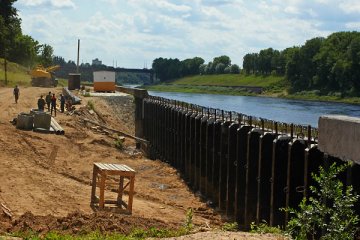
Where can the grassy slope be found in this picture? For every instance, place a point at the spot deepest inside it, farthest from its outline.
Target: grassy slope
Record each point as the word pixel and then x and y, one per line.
pixel 230 80
pixel 222 84
pixel 16 74
pixel 274 86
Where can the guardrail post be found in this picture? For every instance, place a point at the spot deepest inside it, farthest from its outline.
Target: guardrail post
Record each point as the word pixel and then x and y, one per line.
pixel 215 180
pixel 295 174
pixel 264 177
pixel 202 157
pixel 279 180
pixel 223 164
pixel 240 166
pixel 209 157
pixel 252 161
pixel 231 170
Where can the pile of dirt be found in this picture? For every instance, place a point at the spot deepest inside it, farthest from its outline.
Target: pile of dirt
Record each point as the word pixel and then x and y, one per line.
pixel 80 223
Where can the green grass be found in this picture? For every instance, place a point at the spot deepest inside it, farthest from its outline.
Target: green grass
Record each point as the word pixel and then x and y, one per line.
pixel 199 89
pixel 273 86
pixel 16 75
pixel 230 80
pixel 136 234
pixel 220 84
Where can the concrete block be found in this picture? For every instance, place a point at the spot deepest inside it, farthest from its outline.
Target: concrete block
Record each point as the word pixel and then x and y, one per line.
pixel 339 136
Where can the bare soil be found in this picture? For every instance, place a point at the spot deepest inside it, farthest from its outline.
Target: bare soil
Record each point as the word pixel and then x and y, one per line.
pixel 46 178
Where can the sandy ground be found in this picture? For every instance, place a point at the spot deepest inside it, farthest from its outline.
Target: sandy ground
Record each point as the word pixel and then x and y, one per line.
pixel 47 174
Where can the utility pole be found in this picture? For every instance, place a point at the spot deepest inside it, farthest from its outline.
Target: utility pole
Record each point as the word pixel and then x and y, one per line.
pixel 78 52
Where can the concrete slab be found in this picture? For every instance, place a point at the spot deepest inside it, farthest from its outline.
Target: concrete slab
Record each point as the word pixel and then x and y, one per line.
pixel 339 136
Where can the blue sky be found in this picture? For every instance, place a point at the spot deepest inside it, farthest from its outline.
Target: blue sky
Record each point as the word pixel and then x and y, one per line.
pixel 134 32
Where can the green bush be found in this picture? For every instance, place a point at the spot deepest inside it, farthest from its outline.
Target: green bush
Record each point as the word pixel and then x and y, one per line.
pixel 264 227
pixel 119 144
pixel 329 213
pixel 91 105
pixel 232 227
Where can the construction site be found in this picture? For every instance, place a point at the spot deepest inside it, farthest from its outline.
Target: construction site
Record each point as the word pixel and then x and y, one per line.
pixel 46 179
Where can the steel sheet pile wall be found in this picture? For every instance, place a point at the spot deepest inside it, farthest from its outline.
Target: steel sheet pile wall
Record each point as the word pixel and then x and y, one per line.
pixel 246 167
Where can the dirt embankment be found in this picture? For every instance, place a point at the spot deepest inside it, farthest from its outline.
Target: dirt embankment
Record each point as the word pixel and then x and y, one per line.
pixel 46 179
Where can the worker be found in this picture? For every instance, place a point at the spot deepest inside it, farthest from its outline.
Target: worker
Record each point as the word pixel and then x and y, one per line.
pixel 48 100
pixel 41 103
pixel 53 104
pixel 16 93
pixel 62 103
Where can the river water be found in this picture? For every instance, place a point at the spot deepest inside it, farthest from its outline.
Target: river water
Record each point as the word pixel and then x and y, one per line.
pixel 283 110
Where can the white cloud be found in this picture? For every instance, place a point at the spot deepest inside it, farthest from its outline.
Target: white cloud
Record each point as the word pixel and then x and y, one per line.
pixel 112 2
pixel 63 3
pixel 352 6
pixel 52 3
pixel 292 10
pixel 134 31
pixel 31 2
pixel 353 25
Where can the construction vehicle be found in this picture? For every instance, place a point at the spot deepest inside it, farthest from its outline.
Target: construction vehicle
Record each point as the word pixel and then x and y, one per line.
pixel 44 77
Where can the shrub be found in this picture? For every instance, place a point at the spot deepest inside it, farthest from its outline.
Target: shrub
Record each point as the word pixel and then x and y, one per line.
pixel 119 143
pixel 232 227
pixel 329 211
pixel 91 105
pixel 189 220
pixel 264 227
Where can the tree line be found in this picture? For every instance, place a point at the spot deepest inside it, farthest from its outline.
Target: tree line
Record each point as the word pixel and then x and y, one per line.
pixel 330 64
pixel 169 68
pixel 16 46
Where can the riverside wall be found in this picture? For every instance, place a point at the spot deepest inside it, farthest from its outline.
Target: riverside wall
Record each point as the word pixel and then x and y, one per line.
pixel 246 167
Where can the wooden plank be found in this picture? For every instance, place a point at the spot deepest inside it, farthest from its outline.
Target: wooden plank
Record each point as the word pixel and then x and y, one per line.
pixel 93 187
pixel 116 131
pixel 131 194
pixel 102 189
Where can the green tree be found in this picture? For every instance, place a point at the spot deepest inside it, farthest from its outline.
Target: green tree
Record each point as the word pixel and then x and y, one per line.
pixel 24 51
pixel 353 55
pixel 227 70
pixel 191 66
pixel 219 69
pixel 9 26
pixel 202 69
pixel 222 59
pixel 251 63
pixel 235 69
pixel 46 55
pixel 265 57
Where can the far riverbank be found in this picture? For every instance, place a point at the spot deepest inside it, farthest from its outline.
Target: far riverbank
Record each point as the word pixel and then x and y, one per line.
pixel 277 92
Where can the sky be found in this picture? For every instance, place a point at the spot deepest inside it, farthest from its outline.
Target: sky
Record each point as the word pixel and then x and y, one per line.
pixel 132 33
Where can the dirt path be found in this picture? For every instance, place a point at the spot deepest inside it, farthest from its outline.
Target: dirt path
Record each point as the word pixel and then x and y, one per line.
pixel 33 181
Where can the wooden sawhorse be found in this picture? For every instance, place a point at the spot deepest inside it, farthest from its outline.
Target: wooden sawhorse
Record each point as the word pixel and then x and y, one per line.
pixel 101 171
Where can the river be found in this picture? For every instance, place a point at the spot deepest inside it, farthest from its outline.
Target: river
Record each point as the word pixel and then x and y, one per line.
pixel 283 110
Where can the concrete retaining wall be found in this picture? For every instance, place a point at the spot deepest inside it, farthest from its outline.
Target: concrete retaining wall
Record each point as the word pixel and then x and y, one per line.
pixel 339 136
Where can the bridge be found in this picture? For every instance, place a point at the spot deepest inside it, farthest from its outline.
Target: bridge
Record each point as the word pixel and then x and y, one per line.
pixel 135 70
pixel 246 167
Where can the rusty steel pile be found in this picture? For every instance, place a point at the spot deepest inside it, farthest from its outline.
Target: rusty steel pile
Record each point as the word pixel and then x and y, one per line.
pixel 247 167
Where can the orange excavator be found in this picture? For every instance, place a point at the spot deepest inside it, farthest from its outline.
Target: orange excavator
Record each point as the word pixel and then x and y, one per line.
pixel 44 77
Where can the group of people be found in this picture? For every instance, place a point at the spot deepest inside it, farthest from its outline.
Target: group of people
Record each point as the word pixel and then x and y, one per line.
pixel 50 101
